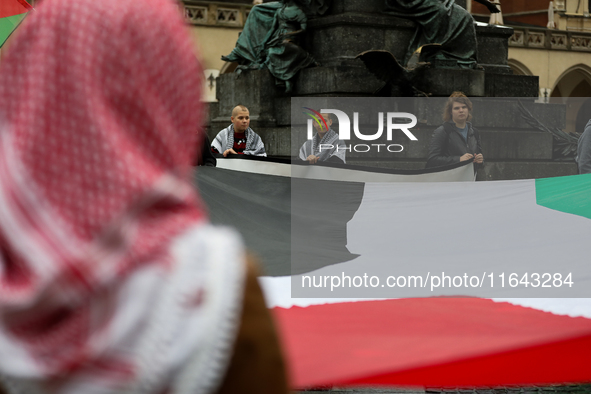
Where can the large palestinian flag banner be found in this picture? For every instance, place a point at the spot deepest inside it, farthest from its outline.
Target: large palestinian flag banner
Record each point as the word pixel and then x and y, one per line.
pixel 12 12
pixel 403 282
pixel 437 342
pixel 265 199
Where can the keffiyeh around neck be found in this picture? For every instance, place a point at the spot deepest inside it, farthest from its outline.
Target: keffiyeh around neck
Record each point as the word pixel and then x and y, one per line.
pixel 331 146
pixel 225 140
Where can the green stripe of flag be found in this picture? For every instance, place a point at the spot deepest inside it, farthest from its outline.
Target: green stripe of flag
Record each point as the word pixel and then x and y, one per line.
pixel 7 26
pixel 570 194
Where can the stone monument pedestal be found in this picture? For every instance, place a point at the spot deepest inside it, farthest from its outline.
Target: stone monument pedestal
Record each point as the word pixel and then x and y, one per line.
pixel 355 26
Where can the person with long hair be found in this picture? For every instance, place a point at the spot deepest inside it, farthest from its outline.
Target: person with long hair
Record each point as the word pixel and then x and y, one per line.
pixel 111 278
pixel 456 140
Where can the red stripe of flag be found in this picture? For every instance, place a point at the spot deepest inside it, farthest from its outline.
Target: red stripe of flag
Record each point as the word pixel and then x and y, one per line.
pixel 456 342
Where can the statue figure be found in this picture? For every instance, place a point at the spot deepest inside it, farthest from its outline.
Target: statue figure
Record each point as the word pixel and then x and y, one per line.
pixel 441 22
pixel 270 39
pixel 445 38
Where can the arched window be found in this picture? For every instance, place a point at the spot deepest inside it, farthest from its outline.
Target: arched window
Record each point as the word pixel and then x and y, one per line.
pixel 519 68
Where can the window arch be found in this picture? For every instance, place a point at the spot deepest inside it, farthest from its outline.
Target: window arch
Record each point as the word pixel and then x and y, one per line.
pixel 518 68
pixel 574 82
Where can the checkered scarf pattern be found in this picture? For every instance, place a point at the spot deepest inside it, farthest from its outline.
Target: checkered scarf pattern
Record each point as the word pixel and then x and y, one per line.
pixel 312 147
pixel 225 140
pixel 99 106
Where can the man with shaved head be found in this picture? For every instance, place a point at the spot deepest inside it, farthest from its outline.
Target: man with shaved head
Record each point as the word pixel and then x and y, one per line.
pixel 239 138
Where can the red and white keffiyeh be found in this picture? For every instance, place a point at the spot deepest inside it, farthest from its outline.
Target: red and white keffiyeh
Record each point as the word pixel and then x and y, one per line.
pixel 110 281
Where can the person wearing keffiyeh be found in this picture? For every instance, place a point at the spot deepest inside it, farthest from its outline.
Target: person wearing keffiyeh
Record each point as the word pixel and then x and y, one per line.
pixel 111 278
pixel 324 146
pixel 239 138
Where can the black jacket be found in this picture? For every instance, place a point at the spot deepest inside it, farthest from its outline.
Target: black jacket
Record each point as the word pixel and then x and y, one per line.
pixel 205 157
pixel 447 145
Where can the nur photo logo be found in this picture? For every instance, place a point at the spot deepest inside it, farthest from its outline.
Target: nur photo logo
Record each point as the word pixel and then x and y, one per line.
pixel 395 121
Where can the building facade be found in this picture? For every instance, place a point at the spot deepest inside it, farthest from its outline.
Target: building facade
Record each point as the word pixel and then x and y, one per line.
pixel 560 56
pixel 215 26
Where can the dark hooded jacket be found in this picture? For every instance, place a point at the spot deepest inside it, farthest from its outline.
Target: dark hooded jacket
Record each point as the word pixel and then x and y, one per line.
pixel 448 145
pixel 583 157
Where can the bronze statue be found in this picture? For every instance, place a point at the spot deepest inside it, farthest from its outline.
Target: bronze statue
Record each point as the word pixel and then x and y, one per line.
pixel 441 22
pixel 270 39
pixel 445 38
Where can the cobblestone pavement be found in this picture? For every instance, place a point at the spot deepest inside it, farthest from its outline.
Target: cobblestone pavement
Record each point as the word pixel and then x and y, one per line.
pixel 574 389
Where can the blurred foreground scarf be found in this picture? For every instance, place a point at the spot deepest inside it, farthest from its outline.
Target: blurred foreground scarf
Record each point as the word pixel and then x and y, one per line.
pixel 110 280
